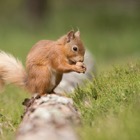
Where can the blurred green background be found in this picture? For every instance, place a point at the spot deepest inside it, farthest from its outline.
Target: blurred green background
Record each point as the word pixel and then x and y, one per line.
pixel 110 29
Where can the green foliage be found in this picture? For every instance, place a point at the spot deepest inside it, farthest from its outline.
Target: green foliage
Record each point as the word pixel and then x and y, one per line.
pixel 109 104
pixel 11 110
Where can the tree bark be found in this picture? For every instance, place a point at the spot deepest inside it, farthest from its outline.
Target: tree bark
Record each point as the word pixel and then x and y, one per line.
pixel 50 117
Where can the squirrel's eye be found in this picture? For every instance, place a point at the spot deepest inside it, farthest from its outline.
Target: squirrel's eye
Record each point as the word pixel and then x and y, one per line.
pixel 75 48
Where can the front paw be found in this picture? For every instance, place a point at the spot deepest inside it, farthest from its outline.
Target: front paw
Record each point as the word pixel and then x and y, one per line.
pixel 80 67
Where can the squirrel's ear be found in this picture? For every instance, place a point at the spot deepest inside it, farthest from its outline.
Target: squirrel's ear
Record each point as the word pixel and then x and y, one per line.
pixel 70 36
pixel 77 34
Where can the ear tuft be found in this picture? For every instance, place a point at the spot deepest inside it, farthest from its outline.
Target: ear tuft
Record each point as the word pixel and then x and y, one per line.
pixel 77 34
pixel 70 36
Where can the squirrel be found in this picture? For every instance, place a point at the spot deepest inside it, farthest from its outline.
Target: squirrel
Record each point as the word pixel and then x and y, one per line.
pixel 46 63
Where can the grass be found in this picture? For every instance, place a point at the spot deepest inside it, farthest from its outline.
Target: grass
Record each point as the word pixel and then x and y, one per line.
pixel 109 105
pixel 10 111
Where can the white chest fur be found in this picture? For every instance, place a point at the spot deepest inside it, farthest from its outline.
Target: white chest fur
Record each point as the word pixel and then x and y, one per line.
pixel 52 83
pixel 53 78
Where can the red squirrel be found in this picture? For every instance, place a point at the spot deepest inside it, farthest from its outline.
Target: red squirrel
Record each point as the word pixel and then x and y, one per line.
pixel 45 64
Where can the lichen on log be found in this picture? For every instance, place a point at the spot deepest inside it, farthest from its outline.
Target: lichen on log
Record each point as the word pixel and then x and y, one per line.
pixel 50 117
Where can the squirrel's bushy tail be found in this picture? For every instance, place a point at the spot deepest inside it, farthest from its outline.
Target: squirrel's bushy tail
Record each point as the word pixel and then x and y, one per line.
pixel 11 70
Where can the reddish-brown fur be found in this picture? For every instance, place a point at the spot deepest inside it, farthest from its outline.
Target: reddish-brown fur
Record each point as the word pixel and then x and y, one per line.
pixel 48 60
